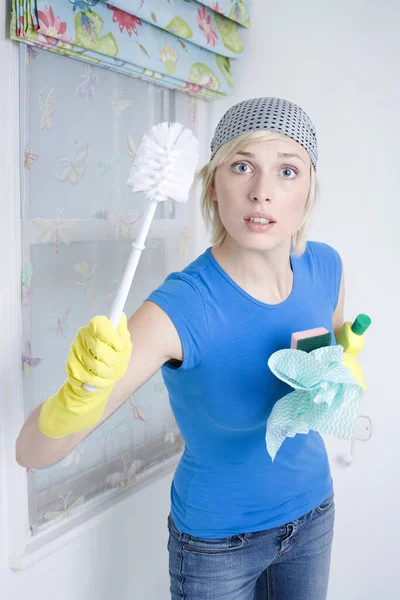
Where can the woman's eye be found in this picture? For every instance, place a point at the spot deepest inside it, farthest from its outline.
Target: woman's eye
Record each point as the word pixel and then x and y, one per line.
pixel 241 168
pixel 287 170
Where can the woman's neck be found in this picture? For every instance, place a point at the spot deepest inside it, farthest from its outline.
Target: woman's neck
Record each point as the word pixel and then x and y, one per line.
pixel 264 274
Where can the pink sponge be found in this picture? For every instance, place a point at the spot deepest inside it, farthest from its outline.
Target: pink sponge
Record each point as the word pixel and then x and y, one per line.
pixel 316 338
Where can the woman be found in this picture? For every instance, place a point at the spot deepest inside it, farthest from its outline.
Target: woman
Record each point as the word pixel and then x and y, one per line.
pixel 241 526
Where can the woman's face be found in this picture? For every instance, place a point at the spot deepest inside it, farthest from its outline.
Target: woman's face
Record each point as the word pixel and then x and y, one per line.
pixel 263 182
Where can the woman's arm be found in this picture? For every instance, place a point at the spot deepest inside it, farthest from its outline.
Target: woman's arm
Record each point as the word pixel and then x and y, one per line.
pixel 338 315
pixel 154 342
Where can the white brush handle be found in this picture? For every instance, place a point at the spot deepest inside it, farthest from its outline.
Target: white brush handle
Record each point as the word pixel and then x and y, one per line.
pixel 130 270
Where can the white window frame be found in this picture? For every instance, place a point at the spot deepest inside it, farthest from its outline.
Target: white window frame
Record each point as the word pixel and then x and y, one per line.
pixel 23 549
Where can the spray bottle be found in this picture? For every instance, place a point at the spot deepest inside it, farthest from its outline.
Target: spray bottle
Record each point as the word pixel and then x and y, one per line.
pixel 351 337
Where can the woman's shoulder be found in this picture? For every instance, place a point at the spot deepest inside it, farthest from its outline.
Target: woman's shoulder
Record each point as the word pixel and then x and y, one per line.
pixel 185 287
pixel 317 248
pixel 194 272
pixel 181 297
pixel 322 255
pixel 324 261
pixel 198 265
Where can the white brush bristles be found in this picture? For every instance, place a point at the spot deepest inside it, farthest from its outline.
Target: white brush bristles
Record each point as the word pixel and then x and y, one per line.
pixel 165 163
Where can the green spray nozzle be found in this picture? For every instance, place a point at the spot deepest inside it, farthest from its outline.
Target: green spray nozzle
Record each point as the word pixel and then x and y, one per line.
pixel 361 324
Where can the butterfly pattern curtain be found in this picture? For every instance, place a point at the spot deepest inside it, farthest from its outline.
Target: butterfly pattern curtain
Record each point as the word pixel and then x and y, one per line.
pixel 80 129
pixel 182 44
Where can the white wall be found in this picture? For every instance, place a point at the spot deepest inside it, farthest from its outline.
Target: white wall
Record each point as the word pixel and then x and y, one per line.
pixel 339 62
pixel 125 557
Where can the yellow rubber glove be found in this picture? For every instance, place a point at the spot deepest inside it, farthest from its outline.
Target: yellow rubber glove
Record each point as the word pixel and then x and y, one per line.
pixel 351 362
pixel 99 356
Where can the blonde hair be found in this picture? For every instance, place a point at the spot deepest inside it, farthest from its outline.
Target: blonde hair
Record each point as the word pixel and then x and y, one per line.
pixel 209 207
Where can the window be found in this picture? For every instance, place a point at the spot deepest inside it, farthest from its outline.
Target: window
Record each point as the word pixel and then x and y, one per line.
pixel 80 126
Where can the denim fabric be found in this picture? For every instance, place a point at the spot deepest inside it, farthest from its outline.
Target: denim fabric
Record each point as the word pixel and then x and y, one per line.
pixel 284 563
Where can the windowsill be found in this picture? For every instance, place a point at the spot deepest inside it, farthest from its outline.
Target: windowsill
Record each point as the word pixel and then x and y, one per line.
pixel 92 514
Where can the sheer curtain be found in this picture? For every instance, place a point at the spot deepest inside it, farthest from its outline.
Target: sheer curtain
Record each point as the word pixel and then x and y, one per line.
pixel 80 128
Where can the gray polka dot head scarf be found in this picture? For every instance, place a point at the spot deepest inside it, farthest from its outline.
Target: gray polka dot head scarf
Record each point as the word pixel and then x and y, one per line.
pixel 272 114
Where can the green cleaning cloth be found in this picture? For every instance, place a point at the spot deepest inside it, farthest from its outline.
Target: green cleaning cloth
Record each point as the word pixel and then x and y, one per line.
pixel 326 398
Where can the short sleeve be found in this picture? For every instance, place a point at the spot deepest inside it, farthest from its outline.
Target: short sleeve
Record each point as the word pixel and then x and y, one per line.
pixel 329 265
pixel 180 298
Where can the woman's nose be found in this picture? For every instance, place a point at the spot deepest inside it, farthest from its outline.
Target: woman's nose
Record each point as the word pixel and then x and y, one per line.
pixel 261 189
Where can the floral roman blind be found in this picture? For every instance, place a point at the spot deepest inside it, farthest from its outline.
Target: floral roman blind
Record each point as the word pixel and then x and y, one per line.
pixel 181 44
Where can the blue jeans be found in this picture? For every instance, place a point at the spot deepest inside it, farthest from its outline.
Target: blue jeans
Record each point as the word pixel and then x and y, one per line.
pixel 284 563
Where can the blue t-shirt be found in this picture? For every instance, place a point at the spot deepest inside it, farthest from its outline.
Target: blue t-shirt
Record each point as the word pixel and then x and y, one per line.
pixel 224 391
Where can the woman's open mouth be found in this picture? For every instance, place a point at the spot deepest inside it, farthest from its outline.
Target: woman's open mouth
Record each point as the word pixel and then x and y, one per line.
pixel 259 224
